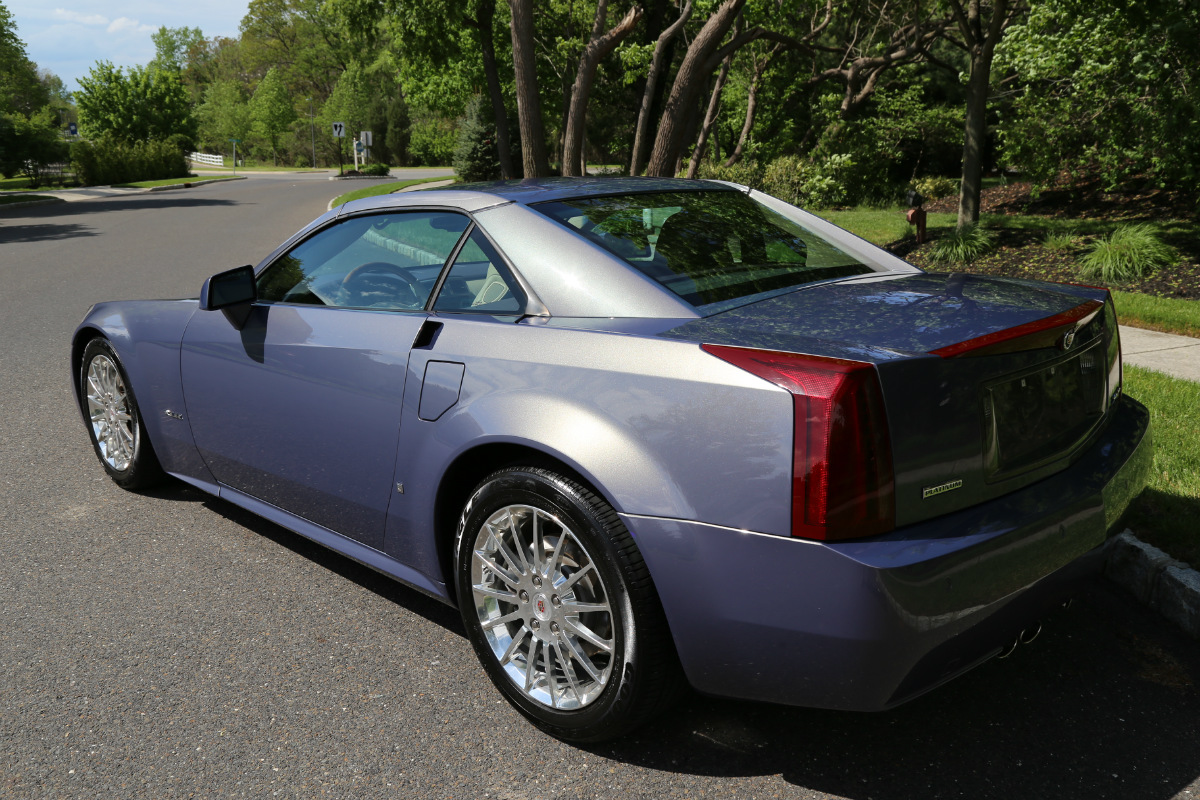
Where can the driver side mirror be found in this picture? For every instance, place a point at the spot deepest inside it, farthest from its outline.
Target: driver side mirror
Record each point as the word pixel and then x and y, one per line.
pixel 233 292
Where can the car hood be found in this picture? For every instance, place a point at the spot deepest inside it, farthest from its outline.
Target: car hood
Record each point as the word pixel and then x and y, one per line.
pixel 883 317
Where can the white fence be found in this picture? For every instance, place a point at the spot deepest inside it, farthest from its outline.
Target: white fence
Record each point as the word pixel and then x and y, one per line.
pixel 205 158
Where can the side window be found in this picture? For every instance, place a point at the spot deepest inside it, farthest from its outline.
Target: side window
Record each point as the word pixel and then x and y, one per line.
pixel 388 261
pixel 479 281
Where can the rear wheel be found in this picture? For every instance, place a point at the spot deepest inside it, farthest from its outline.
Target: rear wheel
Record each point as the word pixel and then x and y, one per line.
pixel 117 432
pixel 560 608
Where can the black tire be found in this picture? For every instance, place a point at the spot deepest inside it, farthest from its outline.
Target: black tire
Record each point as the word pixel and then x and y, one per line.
pixel 642 670
pixel 114 421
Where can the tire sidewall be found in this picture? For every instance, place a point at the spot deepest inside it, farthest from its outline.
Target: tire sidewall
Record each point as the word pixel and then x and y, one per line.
pixel 140 471
pixel 561 498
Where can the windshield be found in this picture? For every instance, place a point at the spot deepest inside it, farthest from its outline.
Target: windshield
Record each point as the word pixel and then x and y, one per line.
pixel 716 250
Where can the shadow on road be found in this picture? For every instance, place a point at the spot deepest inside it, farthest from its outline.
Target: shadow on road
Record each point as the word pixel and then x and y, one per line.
pixel 42 233
pixel 1053 720
pixel 412 600
pixel 1105 703
pixel 113 203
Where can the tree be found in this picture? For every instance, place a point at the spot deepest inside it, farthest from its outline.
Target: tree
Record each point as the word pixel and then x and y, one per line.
pixel 20 89
pixel 224 115
pixel 979 33
pixel 534 161
pixel 271 110
pixel 1107 90
pixel 174 48
pixel 658 61
pixel 599 45
pixel 139 105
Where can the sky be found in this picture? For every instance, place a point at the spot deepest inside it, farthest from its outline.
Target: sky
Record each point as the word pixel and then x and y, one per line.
pixel 68 37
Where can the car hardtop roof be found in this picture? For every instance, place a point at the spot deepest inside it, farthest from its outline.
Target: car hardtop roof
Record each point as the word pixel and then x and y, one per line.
pixel 476 196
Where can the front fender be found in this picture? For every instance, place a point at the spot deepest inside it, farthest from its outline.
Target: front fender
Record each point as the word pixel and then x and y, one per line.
pixel 146 335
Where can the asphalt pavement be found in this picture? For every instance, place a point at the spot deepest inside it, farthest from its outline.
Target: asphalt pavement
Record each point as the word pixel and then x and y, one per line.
pixel 168 644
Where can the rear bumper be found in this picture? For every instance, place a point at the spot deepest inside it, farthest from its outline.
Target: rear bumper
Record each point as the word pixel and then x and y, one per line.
pixel 866 625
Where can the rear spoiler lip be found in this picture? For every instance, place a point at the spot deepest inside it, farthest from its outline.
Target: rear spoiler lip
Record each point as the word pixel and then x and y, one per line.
pixel 1053 331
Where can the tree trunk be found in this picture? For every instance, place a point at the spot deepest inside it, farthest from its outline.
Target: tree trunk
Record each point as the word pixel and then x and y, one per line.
pixel 668 144
pixel 973 142
pixel 710 117
pixel 483 28
pixel 529 105
pixel 599 46
pixel 641 136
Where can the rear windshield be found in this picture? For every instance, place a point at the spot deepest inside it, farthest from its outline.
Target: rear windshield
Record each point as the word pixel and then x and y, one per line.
pixel 716 250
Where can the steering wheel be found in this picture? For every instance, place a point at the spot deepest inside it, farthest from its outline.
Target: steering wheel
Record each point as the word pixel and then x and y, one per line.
pixel 363 281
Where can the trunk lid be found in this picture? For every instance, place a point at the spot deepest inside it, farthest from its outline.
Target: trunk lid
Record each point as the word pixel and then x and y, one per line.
pixel 989 383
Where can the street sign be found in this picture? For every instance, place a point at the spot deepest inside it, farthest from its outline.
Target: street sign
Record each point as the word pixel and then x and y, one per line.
pixel 365 138
pixel 73 129
pixel 359 147
pixel 236 141
pixel 339 130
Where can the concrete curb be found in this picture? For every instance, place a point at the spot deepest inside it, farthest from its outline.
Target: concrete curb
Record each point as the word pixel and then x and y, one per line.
pixel 1170 587
pixel 197 182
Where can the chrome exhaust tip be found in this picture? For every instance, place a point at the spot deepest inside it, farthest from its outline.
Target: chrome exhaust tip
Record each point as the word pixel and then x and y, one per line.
pixel 1029 634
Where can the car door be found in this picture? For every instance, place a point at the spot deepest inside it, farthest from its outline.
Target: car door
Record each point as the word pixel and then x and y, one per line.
pixel 300 407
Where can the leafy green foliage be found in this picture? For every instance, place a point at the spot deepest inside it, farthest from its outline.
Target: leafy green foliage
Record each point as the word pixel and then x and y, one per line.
pixel 108 160
pixel 224 115
pixel 375 170
pixel 432 140
pixel 175 47
pixel 1107 87
pixel 30 143
pixel 962 246
pixel 139 105
pixel 1129 253
pixel 804 183
pixel 933 188
pixel 271 109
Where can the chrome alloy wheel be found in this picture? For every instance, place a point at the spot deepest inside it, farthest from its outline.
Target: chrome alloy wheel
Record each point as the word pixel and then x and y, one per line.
pixel 113 425
pixel 542 607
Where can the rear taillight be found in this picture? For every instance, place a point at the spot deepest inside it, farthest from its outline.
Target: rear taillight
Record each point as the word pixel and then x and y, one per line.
pixel 843 485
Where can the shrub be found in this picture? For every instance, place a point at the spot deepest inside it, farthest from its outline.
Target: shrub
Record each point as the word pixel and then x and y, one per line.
pixel 746 173
pixel 375 170
pixel 933 188
pixel 1061 240
pixel 1129 253
pixel 806 183
pixel 106 161
pixel 475 157
pixel 962 246
pixel 431 141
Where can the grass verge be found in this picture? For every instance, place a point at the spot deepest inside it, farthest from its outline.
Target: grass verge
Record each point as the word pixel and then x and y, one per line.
pixel 380 188
pixel 23 198
pixel 1166 513
pixel 16 184
pixel 1158 313
pixel 171 182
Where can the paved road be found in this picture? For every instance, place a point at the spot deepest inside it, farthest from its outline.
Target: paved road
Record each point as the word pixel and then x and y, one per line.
pixel 170 645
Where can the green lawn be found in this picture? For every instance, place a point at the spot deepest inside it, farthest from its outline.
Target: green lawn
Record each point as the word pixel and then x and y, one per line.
pixel 192 179
pixel 377 189
pixel 884 226
pixel 23 198
pixel 14 184
pixel 1166 513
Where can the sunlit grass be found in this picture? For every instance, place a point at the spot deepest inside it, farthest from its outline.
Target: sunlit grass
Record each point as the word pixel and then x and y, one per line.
pixel 1166 514
pixel 377 189
pixel 192 179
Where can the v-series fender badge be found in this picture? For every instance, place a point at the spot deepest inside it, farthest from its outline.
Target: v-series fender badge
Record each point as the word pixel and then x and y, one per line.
pixel 932 491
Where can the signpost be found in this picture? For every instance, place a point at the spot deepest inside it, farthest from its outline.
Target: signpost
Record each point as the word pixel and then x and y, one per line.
pixel 235 144
pixel 339 132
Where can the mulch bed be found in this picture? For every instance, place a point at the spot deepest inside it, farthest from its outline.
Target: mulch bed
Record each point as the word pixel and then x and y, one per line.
pixel 1021 254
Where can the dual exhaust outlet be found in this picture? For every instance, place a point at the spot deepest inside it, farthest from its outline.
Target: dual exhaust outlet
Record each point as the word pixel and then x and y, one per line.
pixel 1026 636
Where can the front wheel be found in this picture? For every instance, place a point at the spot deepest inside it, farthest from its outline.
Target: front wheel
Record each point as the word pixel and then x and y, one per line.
pixel 560 608
pixel 117 432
